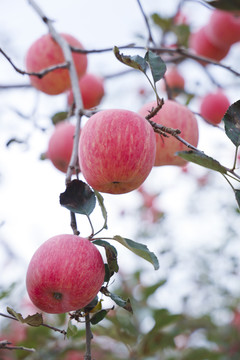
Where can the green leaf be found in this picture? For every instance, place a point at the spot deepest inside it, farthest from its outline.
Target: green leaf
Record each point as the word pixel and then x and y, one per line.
pixel 164 318
pixel 125 304
pixel 237 196
pixel 148 291
pixel 107 273
pixel 156 64
pixel 78 198
pixel 32 320
pixel 231 121
pixel 99 316
pixel 102 206
pixel 138 249
pixel 71 329
pixel 201 159
pixel 229 5
pixel 164 23
pixel 5 293
pixel 202 354
pixel 111 254
pixel 59 116
pixel 136 62
pixel 182 32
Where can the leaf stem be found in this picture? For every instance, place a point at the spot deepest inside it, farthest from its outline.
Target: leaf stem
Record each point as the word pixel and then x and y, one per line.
pixel 235 159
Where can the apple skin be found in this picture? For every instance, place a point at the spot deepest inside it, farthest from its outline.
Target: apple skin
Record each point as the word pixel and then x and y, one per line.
pixel 74 355
pixel 175 81
pixel 213 107
pixel 65 274
pixel 92 91
pixel 60 145
pixel 202 45
pixel 45 52
pixel 176 116
pixel 223 28
pixel 116 151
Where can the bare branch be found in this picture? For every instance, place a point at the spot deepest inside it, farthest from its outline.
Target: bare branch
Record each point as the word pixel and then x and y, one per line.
pixel 46 325
pixel 15 86
pixel 39 74
pixel 182 52
pixel 150 37
pixel 67 52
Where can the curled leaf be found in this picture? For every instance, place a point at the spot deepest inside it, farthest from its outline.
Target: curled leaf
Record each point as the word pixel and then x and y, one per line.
pixel 32 320
pixel 231 121
pixel 78 198
pixel 136 61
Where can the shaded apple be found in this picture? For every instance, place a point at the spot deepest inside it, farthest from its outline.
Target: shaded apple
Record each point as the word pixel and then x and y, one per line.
pixel 92 91
pixel 175 81
pixel 176 116
pixel 202 45
pixel 116 151
pixel 213 107
pixel 60 145
pixel 223 28
pixel 65 274
pixel 74 355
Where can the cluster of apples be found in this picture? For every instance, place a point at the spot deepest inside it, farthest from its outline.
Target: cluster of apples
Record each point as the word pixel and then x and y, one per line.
pixel 44 53
pixel 215 39
pixel 117 151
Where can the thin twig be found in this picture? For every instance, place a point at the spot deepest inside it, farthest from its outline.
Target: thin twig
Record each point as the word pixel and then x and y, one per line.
pixel 39 74
pixel 45 325
pixel 6 345
pixel 184 53
pixel 150 37
pixel 15 86
pixel 164 130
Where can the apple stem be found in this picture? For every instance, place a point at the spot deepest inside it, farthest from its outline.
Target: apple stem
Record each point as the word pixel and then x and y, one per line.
pixel 73 223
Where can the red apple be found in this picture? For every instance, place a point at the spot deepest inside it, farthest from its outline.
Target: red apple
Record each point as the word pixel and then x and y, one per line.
pixel 213 107
pixel 74 355
pixel 174 80
pixel 223 28
pixel 45 52
pixel 92 91
pixel 65 274
pixel 15 333
pixel 116 151
pixel 176 116
pixel 60 145
pixel 202 45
